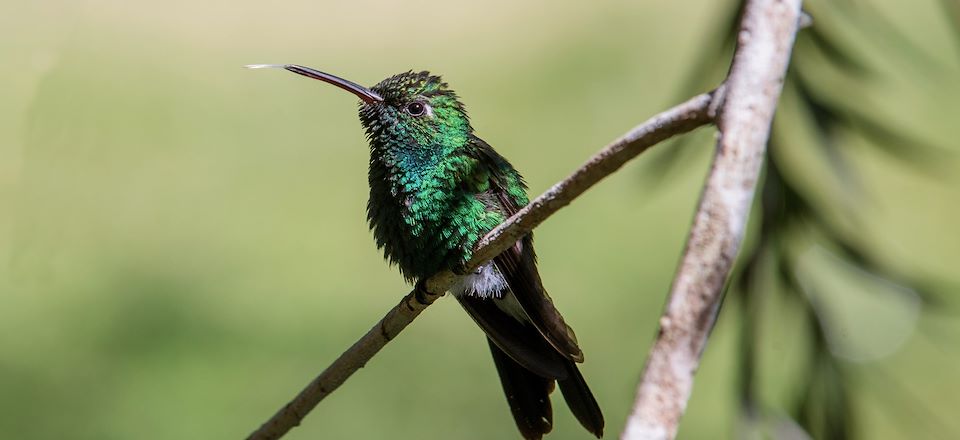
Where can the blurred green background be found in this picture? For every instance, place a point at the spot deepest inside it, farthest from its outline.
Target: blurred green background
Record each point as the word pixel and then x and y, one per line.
pixel 183 242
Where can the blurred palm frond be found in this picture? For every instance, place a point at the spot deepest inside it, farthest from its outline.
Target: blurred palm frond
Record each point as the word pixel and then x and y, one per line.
pixel 791 216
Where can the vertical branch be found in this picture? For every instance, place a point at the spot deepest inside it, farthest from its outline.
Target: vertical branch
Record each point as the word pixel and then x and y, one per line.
pixel 752 88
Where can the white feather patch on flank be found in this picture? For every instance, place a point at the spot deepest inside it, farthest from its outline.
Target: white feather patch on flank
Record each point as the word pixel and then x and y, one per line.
pixel 485 282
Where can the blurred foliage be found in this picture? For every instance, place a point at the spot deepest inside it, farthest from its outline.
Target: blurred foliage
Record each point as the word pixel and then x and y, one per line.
pixel 788 222
pixel 182 241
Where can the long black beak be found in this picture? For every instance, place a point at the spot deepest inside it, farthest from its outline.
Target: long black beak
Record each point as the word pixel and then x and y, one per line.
pixel 366 95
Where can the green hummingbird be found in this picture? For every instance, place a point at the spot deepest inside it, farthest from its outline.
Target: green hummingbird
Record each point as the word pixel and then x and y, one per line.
pixel 435 190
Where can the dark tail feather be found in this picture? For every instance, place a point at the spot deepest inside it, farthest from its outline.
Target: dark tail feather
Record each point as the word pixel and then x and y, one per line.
pixel 581 401
pixel 527 394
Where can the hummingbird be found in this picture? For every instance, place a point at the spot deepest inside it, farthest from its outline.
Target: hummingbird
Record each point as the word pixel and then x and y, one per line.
pixel 436 189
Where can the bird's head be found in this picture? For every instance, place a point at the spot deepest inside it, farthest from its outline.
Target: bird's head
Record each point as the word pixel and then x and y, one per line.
pixel 410 110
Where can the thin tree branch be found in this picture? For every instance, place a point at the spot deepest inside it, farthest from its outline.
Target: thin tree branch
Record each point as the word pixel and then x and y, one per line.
pixel 753 86
pixel 683 118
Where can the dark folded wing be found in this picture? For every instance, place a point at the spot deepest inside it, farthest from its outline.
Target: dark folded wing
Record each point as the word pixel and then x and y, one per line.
pixel 519 266
pixel 519 340
pixel 518 263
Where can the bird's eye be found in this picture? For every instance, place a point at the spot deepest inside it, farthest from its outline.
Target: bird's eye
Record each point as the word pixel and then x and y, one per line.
pixel 416 108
